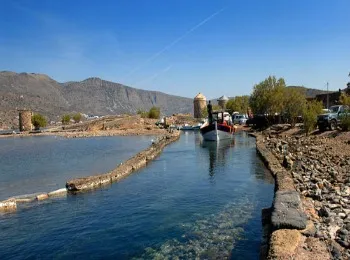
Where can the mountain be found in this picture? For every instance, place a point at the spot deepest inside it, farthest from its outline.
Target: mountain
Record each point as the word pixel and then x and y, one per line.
pixel 44 95
pixel 310 92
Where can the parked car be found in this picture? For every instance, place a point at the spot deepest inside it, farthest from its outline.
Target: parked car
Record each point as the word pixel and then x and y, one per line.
pixel 331 119
pixel 240 119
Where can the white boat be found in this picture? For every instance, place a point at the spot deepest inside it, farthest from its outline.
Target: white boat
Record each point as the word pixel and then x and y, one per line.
pixel 190 127
pixel 186 127
pixel 197 127
pixel 220 128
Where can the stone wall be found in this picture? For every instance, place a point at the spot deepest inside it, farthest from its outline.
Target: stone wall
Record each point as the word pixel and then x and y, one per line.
pixel 286 226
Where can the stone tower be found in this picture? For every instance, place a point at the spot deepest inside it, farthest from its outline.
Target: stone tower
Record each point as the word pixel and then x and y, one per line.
pixel 25 120
pixel 199 103
pixel 222 101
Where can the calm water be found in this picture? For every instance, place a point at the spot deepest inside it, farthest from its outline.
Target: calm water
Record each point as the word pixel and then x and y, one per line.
pixel 196 199
pixel 45 163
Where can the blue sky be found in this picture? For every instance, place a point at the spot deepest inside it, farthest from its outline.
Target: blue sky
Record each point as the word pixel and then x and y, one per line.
pixel 179 47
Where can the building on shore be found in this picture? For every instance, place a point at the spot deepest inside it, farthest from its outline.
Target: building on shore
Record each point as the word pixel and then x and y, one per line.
pixel 199 104
pixel 332 98
pixel 25 120
pixel 222 101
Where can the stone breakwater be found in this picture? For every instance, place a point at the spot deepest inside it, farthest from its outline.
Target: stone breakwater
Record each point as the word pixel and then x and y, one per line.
pixel 10 204
pixel 317 170
pixel 124 169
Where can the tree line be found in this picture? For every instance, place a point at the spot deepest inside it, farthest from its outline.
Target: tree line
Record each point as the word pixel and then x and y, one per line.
pixel 272 98
pixel 39 120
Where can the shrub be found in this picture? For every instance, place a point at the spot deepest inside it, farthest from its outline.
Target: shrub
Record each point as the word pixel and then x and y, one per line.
pixel 142 113
pixel 76 117
pixel 205 111
pixel 293 105
pixel 238 103
pixel 154 112
pixel 310 112
pixel 345 121
pixel 38 121
pixel 345 99
pixel 65 119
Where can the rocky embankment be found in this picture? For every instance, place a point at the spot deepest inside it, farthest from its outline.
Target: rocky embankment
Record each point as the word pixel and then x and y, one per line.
pixel 319 168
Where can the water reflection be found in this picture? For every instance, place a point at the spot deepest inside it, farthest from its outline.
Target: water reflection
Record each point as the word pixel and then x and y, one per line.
pixel 218 153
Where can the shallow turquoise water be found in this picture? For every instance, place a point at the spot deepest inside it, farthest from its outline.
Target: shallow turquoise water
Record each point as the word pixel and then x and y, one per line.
pixel 45 163
pixel 195 200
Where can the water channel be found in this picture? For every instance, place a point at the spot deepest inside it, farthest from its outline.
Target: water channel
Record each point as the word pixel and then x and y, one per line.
pixel 196 199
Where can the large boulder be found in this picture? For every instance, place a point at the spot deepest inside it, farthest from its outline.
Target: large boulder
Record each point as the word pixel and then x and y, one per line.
pixel 287 211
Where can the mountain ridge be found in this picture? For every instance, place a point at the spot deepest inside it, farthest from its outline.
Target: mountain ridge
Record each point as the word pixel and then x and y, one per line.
pixel 93 95
pixel 96 96
pixel 310 92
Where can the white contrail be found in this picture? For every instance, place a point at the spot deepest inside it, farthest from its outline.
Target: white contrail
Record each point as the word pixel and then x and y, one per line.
pixel 155 75
pixel 153 57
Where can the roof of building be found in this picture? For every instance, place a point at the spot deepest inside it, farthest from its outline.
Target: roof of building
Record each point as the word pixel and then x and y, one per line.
pixel 200 96
pixel 224 98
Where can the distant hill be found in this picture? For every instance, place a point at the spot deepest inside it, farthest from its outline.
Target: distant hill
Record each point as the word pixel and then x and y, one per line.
pixel 95 96
pixel 310 92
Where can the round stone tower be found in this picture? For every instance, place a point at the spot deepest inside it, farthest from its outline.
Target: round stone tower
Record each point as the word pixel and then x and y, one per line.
pixel 25 120
pixel 222 101
pixel 199 103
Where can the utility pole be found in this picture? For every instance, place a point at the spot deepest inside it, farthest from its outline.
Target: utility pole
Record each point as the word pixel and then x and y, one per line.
pixel 327 97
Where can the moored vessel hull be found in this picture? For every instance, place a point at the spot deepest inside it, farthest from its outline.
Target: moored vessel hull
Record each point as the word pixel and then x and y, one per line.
pixel 216 132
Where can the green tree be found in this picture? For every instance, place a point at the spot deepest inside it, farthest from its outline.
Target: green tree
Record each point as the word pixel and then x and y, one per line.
pixel 294 104
pixel 345 117
pixel 268 96
pixel 205 111
pixel 310 112
pixel 345 121
pixel 65 119
pixel 76 117
pixel 38 121
pixel 238 103
pixel 154 112
pixel 344 99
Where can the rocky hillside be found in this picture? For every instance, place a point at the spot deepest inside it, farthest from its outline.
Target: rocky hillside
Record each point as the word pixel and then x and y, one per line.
pixel 91 96
pixel 310 92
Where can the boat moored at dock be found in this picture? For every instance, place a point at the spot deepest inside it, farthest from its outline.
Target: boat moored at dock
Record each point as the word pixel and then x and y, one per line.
pixel 219 126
